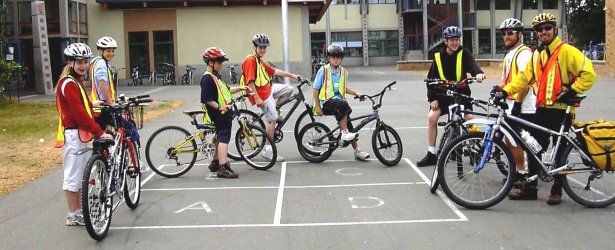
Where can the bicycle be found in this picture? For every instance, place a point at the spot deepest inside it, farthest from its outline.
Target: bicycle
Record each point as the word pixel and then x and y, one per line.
pixel 187 79
pixel 114 74
pixel 135 77
pixel 306 117
pixel 171 151
pixel 275 79
pixel 454 126
pixel 168 74
pixel 232 74
pixel 317 63
pixel 113 169
pixel 318 141
pixel 486 159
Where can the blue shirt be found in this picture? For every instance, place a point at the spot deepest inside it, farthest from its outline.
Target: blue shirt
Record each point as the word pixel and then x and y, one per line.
pixel 100 74
pixel 320 79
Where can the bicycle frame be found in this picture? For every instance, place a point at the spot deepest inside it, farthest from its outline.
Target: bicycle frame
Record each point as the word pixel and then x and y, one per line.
pixel 298 98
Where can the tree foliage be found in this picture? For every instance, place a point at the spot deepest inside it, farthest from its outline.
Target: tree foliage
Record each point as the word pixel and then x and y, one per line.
pixel 586 21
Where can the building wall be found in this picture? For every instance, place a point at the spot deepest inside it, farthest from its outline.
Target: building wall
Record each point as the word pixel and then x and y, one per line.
pixel 108 23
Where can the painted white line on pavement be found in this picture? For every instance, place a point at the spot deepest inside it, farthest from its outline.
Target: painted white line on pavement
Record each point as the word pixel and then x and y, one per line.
pixel 286 187
pixel 28 96
pixel 380 72
pixel 278 204
pixel 363 129
pixel 153 91
pixel 358 185
pixel 291 225
pixel 446 200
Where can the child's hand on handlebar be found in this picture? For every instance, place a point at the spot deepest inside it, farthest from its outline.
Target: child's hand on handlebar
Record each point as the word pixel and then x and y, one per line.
pixel 480 77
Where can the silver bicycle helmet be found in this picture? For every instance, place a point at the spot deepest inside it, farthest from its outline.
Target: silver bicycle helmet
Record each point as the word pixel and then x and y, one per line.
pixel 451 31
pixel 106 42
pixel 260 40
pixel 77 51
pixel 511 23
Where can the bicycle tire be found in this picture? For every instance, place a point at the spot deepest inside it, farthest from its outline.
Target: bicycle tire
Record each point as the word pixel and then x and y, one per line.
pixel 250 142
pixel 458 187
pixel 185 79
pixel 595 188
pixel 383 141
pixel 132 185
pixel 161 156
pixel 254 118
pixel 310 133
pixel 433 185
pixel 97 212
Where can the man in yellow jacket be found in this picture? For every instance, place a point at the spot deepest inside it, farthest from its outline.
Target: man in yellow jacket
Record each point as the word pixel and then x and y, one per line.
pixel 561 71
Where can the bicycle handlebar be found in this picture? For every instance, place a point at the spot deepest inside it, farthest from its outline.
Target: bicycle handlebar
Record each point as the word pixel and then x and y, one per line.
pixel 381 94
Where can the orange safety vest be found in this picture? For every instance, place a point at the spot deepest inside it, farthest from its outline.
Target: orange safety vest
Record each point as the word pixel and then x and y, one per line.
pixel 549 77
pixel 514 71
pixel 94 94
pixel 84 136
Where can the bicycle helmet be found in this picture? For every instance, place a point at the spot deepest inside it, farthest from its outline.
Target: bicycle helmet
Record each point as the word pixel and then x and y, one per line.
pixel 260 40
pixel 106 42
pixel 511 23
pixel 544 18
pixel 335 50
pixel 214 54
pixel 77 51
pixel 451 31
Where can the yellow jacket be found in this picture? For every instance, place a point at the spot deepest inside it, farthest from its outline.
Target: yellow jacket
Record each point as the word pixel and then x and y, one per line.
pixel 571 61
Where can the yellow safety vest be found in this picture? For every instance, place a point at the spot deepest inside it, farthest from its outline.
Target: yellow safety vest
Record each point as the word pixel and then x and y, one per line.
pixel 326 91
pixel 85 136
pixel 262 77
pixel 440 69
pixel 224 95
pixel 514 71
pixel 94 93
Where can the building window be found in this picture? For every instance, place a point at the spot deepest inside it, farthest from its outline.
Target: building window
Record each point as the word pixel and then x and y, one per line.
pixel 530 4
pixel 24 18
pixel 163 49
pixel 453 1
pixel 383 43
pixel 353 1
pixel 351 41
pixel 138 47
pixel 530 38
pixel 484 41
pixel 502 4
pixel 83 19
pixel 318 44
pixel 499 43
pixel 483 5
pixel 550 4
pixel 52 12
pixel 7 20
pixel 73 23
pixel 381 1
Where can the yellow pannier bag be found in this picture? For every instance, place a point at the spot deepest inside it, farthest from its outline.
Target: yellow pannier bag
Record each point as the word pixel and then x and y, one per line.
pixel 599 139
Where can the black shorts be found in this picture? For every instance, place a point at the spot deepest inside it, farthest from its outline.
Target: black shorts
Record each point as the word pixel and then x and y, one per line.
pixel 339 109
pixel 445 101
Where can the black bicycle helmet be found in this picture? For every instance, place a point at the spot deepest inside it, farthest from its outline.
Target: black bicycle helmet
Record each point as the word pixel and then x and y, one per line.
pixel 451 31
pixel 335 50
pixel 260 40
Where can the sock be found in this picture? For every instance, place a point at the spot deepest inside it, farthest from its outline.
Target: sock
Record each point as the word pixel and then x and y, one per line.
pixel 432 150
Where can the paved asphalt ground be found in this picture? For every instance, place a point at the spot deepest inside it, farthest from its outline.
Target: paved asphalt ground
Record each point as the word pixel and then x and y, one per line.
pixel 338 204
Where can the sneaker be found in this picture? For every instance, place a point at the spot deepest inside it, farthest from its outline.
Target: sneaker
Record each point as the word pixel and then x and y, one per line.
pixel 268 155
pixel 429 159
pixel 348 136
pixel 225 171
pixel 143 167
pixel 360 155
pixel 554 199
pixel 526 192
pixel 75 219
pixel 214 166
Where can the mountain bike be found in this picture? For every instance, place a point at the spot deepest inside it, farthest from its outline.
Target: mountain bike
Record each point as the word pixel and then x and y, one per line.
pixel 172 151
pixel 135 76
pixel 112 174
pixel 187 79
pixel 486 159
pixel 232 74
pixel 453 127
pixel 317 141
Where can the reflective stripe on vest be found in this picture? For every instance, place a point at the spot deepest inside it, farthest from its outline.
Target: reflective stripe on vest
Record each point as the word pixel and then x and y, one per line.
pixel 224 94
pixel 327 90
pixel 94 93
pixel 84 136
pixel 514 71
pixel 262 77
pixel 548 77
pixel 457 67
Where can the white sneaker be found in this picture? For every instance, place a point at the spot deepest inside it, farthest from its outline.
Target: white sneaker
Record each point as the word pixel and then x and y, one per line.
pixel 348 136
pixel 75 219
pixel 143 167
pixel 361 155
pixel 268 155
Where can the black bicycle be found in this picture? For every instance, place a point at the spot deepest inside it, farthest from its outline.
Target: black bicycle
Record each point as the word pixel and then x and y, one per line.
pixel 232 74
pixel 135 76
pixel 318 141
pixel 187 78
pixel 168 74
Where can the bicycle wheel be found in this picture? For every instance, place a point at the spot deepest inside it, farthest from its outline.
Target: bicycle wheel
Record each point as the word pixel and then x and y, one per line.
pixel 588 186
pixel 95 201
pixel 132 187
pixel 302 120
pixel 474 188
pixel 252 118
pixel 387 145
pixel 250 141
pixel 185 79
pixel 308 148
pixel 169 152
pixel 433 185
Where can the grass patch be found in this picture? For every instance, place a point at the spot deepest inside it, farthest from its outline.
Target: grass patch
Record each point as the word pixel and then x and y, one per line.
pixel 28 132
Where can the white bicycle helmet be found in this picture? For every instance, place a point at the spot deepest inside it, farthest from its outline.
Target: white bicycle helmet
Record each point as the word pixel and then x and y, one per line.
pixel 78 51
pixel 106 42
pixel 511 23
pixel 451 31
pixel 260 40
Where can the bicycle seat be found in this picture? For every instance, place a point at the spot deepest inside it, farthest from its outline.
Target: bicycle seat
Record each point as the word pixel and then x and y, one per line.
pixel 103 143
pixel 196 112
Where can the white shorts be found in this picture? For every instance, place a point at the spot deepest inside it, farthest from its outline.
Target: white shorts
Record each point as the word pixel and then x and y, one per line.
pixel 73 164
pixel 269 105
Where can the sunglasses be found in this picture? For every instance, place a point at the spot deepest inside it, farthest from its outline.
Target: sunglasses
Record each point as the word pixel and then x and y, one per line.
pixel 545 28
pixel 509 33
